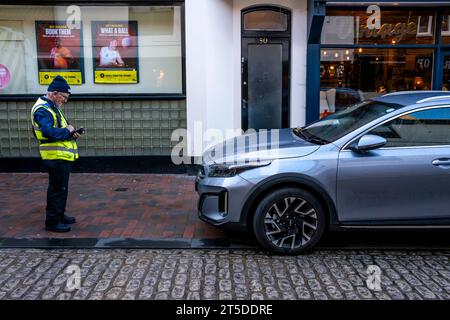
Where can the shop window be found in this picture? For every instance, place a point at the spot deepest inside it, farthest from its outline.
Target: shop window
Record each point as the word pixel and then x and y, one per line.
pixel 98 49
pixel 352 27
pixel 265 20
pixel 446 73
pixel 352 75
pixel 445 31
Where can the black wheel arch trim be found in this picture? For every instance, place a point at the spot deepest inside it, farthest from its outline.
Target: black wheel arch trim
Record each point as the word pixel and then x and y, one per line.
pixel 289 178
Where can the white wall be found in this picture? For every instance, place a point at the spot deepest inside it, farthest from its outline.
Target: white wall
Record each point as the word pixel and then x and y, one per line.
pixel 213 65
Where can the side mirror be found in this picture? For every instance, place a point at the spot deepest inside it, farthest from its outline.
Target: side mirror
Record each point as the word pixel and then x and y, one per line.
pixel 367 143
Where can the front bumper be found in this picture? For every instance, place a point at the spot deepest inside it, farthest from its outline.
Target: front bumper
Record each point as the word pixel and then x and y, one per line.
pixel 221 200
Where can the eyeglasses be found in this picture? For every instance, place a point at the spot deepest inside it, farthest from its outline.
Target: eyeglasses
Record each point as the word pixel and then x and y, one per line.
pixel 65 96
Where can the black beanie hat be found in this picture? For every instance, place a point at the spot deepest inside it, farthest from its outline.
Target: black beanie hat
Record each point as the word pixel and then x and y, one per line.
pixel 59 84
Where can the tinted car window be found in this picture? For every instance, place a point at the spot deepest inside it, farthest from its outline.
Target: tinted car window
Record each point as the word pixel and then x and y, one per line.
pixel 422 128
pixel 341 123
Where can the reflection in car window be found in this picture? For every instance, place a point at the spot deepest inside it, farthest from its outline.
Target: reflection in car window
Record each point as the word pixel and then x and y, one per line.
pixel 341 123
pixel 422 128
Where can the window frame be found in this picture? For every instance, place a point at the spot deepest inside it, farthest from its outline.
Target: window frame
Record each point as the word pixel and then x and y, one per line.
pixel 114 96
pixel 367 131
pixel 266 33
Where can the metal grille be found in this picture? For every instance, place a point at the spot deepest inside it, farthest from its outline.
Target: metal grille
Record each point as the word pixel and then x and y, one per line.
pixel 113 128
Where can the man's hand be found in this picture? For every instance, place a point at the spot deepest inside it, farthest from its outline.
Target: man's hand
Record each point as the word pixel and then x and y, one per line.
pixel 71 128
pixel 76 136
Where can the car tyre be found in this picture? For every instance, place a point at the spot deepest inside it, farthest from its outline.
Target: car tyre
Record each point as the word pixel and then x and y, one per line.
pixel 289 221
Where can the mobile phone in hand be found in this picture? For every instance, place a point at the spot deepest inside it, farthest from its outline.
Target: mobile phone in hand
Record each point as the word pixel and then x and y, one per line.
pixel 79 131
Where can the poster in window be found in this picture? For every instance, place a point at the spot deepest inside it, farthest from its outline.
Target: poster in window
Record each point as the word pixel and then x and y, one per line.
pixel 115 52
pixel 59 52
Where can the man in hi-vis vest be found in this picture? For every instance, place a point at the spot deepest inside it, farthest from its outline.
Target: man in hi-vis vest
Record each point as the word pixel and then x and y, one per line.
pixel 58 149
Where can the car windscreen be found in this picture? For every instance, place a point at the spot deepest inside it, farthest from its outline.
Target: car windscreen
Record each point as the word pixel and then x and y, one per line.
pixel 339 124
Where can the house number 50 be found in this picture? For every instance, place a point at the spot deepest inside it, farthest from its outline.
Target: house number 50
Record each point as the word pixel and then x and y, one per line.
pixel 263 40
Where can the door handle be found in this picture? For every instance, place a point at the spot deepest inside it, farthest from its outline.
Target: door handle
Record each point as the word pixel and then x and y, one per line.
pixel 441 162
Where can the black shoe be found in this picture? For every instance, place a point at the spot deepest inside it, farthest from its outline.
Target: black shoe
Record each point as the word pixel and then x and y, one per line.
pixel 68 220
pixel 60 228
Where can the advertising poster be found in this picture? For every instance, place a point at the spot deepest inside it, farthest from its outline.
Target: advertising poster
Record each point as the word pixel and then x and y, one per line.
pixel 59 52
pixel 115 52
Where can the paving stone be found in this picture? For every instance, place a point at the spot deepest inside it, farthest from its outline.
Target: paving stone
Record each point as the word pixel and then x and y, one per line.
pixel 113 293
pixel 193 295
pixel 50 292
pixel 272 293
pixel 32 295
pixel 241 291
pixel 181 279
pixel 225 296
pixel 209 292
pixel 120 280
pixel 314 284
pixel 146 293
pixel 64 296
pixel 178 292
pixel 10 284
pixel 133 285
pixel 102 285
pixel 364 292
pixel 225 285
pixel 297 280
pixel 82 294
pixel 19 292
pixel 194 284
pixel 320 295
pixel 268 280
pixel 334 293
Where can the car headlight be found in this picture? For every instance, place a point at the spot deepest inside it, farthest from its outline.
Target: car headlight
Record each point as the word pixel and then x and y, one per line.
pixel 224 170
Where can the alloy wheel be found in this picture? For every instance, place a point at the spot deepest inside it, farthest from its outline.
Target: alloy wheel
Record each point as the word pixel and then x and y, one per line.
pixel 290 223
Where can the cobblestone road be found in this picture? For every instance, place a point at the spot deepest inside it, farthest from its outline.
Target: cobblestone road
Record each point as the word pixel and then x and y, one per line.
pixel 222 274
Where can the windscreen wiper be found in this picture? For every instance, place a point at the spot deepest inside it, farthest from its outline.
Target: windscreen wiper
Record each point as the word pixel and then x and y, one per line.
pixel 318 140
pixel 302 133
pixel 299 133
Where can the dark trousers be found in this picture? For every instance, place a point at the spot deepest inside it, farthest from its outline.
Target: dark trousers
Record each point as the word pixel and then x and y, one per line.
pixel 58 186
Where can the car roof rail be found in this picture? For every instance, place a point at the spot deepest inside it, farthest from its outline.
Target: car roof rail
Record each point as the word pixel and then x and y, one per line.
pixel 398 93
pixel 433 98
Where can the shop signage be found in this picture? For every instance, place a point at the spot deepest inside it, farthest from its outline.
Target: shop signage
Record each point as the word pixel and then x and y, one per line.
pixel 395 32
pixel 115 52
pixel 59 52
pixel 423 62
pixel 447 64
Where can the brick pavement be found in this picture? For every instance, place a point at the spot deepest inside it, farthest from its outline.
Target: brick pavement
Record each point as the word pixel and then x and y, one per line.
pixel 223 274
pixel 144 206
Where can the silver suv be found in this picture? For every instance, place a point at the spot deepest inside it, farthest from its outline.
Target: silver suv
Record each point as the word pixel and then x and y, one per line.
pixel 383 163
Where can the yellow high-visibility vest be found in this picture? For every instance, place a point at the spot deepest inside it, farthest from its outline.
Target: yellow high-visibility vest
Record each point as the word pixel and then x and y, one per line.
pixel 55 150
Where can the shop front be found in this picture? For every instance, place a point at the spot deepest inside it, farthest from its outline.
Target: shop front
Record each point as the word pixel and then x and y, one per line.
pixel 362 50
pixel 123 60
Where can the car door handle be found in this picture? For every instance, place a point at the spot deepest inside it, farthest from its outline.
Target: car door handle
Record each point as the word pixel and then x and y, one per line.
pixel 441 162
